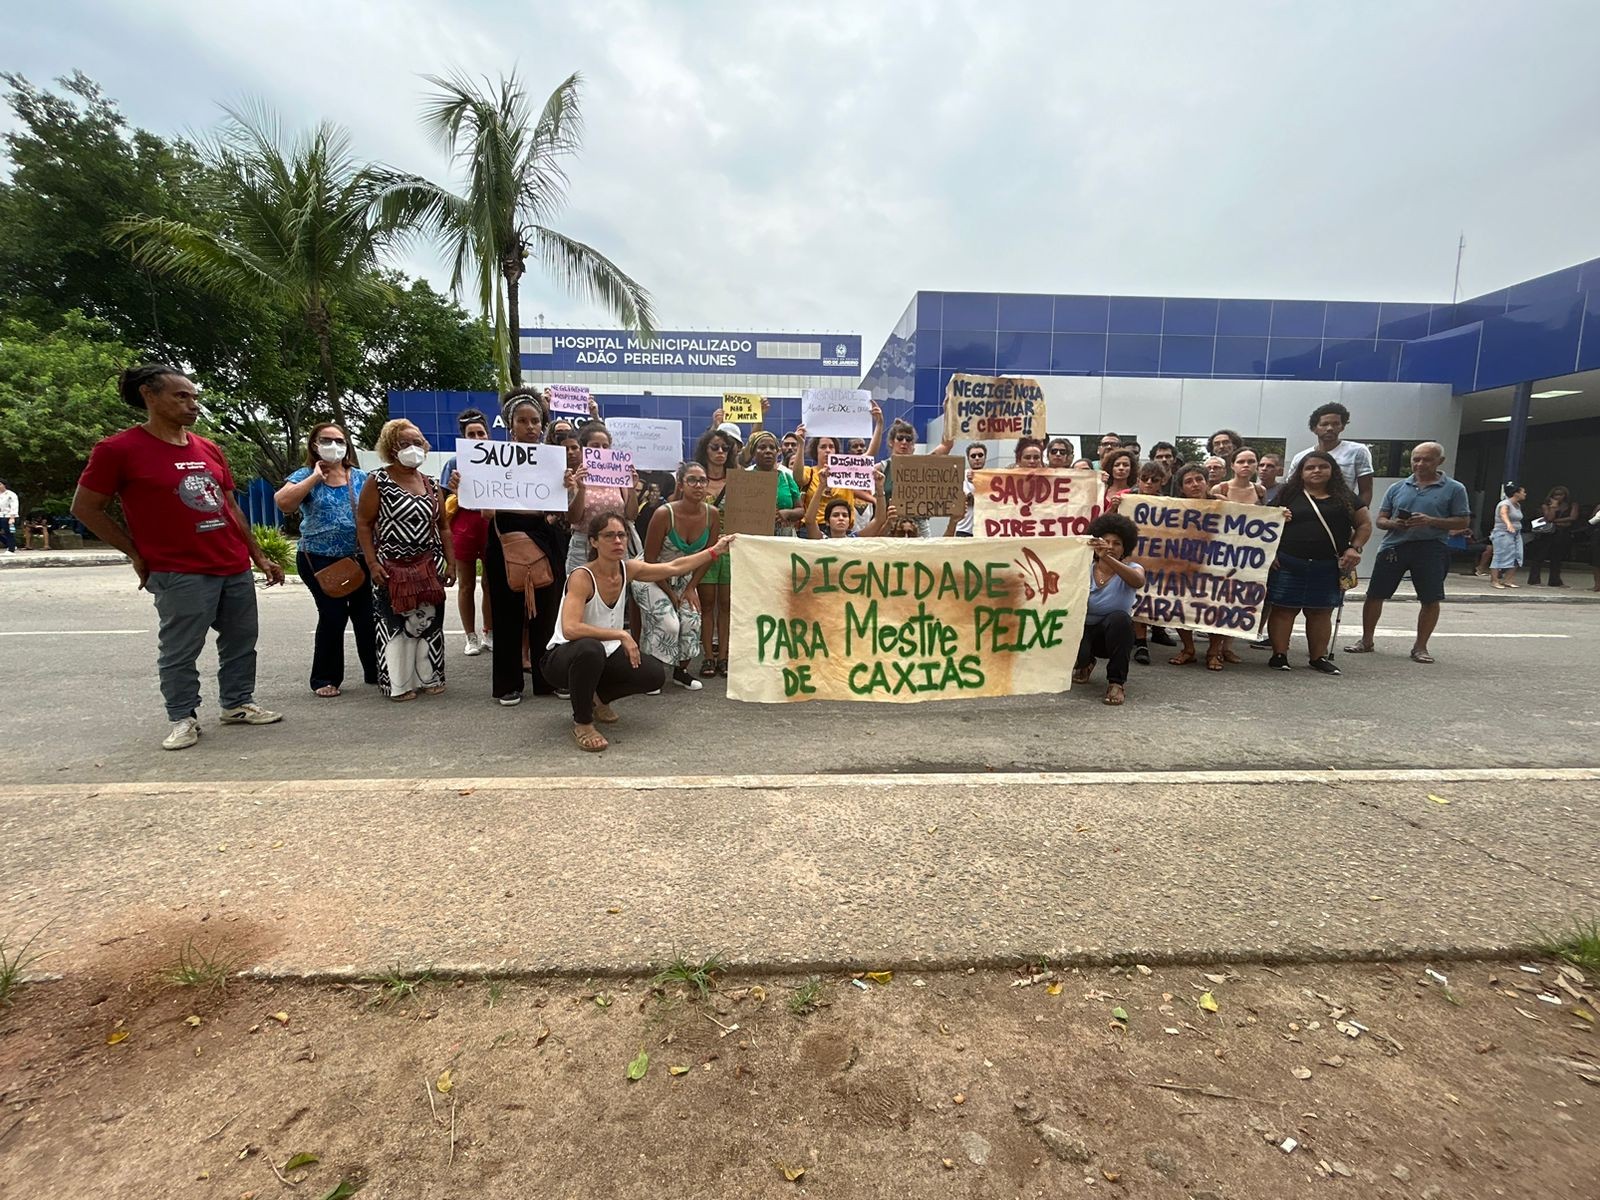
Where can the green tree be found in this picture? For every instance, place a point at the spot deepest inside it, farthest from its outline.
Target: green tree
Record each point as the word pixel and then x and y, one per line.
pixel 515 186
pixel 58 397
pixel 297 227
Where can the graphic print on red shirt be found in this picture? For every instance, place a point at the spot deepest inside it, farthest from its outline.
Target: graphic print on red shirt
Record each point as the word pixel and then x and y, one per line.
pixel 174 499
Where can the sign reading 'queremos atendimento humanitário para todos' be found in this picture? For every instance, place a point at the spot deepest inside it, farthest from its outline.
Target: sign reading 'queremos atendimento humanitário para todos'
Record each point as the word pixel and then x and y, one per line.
pixel 903 620
pixel 1205 561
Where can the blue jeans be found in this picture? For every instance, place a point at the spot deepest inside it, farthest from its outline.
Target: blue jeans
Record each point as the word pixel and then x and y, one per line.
pixel 189 605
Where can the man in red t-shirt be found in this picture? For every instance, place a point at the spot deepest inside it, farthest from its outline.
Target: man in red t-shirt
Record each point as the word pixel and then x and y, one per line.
pixel 188 542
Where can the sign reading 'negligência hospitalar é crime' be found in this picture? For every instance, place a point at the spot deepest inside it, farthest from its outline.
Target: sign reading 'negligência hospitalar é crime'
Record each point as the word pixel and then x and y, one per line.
pixel 901 620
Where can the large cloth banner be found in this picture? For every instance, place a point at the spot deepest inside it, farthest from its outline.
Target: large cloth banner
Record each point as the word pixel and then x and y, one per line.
pixel 1035 502
pixel 902 620
pixel 985 408
pixel 515 476
pixel 1205 561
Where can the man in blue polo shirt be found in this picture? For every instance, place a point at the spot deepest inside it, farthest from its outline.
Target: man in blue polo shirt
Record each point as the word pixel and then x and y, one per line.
pixel 1418 514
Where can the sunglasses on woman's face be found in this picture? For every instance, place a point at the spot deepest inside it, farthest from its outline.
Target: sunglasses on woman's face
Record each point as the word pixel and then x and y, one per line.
pixel 904 437
pixel 330 441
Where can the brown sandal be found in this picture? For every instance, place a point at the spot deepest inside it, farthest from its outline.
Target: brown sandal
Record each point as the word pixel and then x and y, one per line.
pixel 604 713
pixel 1183 658
pixel 592 742
pixel 1228 656
pixel 1214 662
pixel 1083 674
pixel 1115 695
pixel 404 696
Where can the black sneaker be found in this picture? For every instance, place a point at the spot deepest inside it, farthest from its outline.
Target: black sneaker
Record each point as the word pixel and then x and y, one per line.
pixel 1161 637
pixel 1326 665
pixel 511 700
pixel 1261 643
pixel 683 679
pixel 1141 655
pixel 1279 662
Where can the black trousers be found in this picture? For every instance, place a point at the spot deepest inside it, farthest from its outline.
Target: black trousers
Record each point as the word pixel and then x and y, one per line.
pixel 327 648
pixel 1112 640
pixel 1550 547
pixel 510 619
pixel 585 670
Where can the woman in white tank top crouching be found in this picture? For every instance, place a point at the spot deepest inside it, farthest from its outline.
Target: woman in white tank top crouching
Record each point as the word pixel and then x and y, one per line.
pixel 592 656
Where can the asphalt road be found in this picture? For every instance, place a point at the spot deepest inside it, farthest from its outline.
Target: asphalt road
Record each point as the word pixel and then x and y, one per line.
pixel 1514 686
pixel 359 835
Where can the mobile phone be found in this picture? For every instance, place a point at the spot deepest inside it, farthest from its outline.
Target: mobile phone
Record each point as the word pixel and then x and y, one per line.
pixel 1402 514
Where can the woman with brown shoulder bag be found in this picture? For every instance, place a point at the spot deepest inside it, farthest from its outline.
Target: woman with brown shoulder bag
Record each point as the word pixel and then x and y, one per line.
pixel 520 569
pixel 329 558
pixel 400 520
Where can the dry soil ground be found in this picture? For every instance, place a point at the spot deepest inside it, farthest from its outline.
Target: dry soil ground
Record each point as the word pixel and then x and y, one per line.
pixel 1117 1082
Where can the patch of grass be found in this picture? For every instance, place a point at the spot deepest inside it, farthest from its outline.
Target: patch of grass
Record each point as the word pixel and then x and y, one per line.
pixel 701 976
pixel 13 962
pixel 1579 945
pixel 806 997
pixel 197 969
pixel 497 991
pixel 396 985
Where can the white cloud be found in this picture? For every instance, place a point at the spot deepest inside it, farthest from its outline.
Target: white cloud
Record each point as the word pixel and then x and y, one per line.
pixel 810 166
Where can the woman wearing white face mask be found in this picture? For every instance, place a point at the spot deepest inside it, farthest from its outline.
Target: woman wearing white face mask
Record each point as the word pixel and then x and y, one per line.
pixel 400 521
pixel 324 493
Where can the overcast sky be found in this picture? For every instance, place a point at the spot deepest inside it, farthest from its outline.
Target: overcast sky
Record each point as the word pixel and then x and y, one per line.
pixel 809 166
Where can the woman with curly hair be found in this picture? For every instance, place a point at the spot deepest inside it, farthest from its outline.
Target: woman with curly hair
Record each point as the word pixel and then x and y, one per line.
pixel 1121 470
pixel 1108 617
pixel 1327 527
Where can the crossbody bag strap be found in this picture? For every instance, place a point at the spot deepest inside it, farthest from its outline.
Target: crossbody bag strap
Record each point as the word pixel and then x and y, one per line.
pixel 1317 508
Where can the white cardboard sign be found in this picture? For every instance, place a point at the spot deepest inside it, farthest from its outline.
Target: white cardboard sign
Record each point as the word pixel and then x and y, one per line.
pixel 515 476
pixel 656 445
pixel 836 412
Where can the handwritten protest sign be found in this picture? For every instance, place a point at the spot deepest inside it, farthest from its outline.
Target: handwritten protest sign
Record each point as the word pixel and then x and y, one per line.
pixel 742 408
pixel 904 620
pixel 655 445
pixel 852 471
pixel 1035 502
pixel 981 407
pixel 928 485
pixel 836 412
pixel 750 502
pixel 1205 561
pixel 515 476
pixel 570 398
pixel 608 468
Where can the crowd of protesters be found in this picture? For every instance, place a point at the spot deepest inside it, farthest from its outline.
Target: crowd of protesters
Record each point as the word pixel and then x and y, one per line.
pixel 628 589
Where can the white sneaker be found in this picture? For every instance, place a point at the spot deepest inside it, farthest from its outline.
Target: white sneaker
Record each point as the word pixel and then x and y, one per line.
pixel 249 714
pixel 185 733
pixel 487 641
pixel 474 646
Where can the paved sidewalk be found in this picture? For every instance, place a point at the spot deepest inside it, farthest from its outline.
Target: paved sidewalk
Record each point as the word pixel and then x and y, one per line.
pixel 541 876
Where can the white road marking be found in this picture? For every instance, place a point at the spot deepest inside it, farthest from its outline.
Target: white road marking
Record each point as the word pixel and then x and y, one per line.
pixel 984 779
pixel 1411 633
pixel 66 632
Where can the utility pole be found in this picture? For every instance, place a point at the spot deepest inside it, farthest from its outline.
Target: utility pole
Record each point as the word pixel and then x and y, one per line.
pixel 1461 248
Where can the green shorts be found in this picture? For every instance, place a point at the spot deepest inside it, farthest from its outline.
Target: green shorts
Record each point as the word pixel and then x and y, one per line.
pixel 717 573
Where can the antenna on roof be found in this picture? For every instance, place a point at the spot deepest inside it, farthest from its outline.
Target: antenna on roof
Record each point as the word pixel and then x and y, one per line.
pixel 1461 249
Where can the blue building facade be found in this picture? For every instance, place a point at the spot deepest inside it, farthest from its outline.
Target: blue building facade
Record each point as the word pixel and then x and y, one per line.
pixel 1542 328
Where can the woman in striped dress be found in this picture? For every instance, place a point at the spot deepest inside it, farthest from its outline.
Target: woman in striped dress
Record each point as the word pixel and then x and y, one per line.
pixel 400 521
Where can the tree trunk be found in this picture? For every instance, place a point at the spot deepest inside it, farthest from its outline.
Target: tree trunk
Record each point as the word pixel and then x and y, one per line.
pixel 511 267
pixel 320 325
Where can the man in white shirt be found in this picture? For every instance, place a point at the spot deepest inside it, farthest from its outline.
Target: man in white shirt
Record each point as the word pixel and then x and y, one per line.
pixel 1355 460
pixel 977 458
pixel 10 507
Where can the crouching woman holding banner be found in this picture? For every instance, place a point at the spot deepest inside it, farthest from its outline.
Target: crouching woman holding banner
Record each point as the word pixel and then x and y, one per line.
pixel 591 655
pixel 1108 619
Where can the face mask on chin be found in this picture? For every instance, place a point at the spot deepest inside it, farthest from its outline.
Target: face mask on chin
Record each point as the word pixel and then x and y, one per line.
pixel 331 452
pixel 411 456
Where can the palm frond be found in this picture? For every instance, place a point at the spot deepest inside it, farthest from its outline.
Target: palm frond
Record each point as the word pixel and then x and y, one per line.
pixel 590 275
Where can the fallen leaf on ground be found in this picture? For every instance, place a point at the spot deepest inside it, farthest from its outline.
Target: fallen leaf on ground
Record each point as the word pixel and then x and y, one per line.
pixel 758 994
pixel 792 1174
pixel 949 1164
pixel 1437 799
pixel 342 1190
pixel 1054 989
pixel 677 1070
pixel 1217 978
pixel 120 1035
pixel 1111 1176
pixel 880 976
pixel 1119 1014
pixel 1142 969
pixel 1208 1002
pixel 282 1018
pixel 613 911
pixel 444 1083
pixel 639 1065
pixel 959 1098
pixel 299 1160
pixel 192 1021
pixel 602 1001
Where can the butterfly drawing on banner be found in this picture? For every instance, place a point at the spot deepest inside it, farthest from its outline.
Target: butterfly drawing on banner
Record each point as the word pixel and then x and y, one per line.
pixel 1037 579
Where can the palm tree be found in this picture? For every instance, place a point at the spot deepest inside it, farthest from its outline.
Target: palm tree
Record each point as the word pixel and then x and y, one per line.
pixel 295 224
pixel 515 187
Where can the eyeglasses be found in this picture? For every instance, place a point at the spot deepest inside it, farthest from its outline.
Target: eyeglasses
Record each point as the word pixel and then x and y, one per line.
pixel 695 481
pixel 613 533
